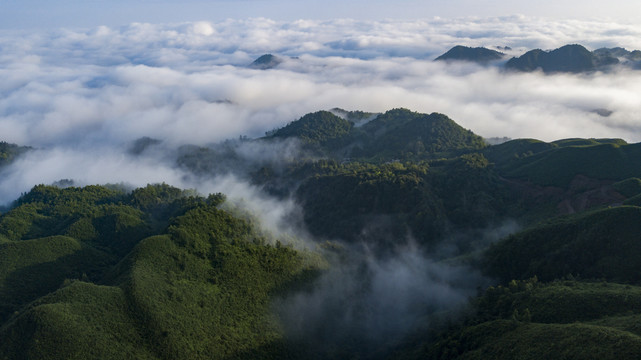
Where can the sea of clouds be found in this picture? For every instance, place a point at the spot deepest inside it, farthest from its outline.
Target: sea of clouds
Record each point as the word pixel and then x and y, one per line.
pixel 81 96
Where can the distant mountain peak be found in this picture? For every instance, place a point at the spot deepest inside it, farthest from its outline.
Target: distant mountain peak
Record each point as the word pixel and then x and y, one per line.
pixel 464 53
pixel 572 58
pixel 265 62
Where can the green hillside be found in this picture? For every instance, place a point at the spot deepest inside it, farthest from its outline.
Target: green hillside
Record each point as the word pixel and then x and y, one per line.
pixel 32 268
pixel 316 128
pixel 403 134
pixel 503 339
pixel 395 134
pixel 199 289
pixel 383 204
pixel 401 210
pixel 559 162
pixel 530 320
pixel 601 244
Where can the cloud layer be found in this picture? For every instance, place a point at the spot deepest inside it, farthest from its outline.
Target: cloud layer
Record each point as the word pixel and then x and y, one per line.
pixel 82 95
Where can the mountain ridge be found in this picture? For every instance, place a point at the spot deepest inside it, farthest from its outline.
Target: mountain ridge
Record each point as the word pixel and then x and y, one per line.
pixel 160 272
pixel 571 58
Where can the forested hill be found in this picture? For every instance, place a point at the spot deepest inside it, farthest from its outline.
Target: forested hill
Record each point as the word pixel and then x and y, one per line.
pixel 97 273
pixel 400 211
pixel 395 134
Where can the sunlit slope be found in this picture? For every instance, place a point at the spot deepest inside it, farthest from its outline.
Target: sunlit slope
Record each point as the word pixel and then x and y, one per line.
pixel 203 291
pixel 199 289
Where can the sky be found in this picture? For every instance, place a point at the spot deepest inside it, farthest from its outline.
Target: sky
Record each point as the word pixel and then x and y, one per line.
pixel 20 14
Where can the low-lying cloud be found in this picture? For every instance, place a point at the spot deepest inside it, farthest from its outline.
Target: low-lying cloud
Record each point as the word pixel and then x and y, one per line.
pixel 80 96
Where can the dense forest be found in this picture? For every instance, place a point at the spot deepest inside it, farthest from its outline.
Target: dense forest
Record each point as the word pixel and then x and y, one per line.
pixel 414 238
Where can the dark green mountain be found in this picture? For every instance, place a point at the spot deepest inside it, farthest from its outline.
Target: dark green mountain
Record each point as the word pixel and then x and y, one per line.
pixel 551 313
pixel 558 163
pixel 464 53
pixel 402 133
pixel 527 319
pixel 383 204
pixel 357 117
pixel 316 128
pixel 154 274
pixel 595 245
pixel 396 134
pixel 619 53
pixel 569 58
pixel 162 273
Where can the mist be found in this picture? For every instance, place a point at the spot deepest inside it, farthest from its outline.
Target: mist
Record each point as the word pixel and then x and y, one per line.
pixel 366 303
pixel 80 96
pixel 83 99
pixel 188 83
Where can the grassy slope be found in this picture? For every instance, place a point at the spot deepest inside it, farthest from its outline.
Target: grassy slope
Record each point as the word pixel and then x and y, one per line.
pixel 403 134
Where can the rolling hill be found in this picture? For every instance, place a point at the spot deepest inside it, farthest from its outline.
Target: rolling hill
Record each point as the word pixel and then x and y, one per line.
pixel 164 273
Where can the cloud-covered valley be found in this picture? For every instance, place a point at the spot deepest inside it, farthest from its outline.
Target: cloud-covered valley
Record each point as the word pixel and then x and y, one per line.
pixel 122 105
pixel 81 96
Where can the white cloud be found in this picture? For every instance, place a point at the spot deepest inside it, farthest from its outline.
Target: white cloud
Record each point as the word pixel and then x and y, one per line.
pixel 69 91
